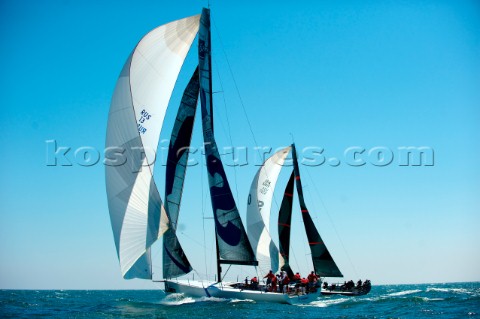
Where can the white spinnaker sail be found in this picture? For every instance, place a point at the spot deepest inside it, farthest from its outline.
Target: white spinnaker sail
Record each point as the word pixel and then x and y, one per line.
pixel 138 107
pixel 258 211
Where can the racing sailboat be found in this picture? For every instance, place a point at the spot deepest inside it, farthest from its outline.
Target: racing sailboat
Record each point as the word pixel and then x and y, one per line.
pixel 138 215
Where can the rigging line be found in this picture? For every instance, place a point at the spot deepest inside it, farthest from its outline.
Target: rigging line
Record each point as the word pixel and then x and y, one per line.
pixel 156 252
pixel 212 241
pixel 229 130
pixel 243 107
pixel 306 248
pixel 292 250
pixel 225 133
pixel 226 271
pixel 333 224
pixel 193 240
pixel 212 249
pixel 203 214
pixel 199 276
pixel 235 83
pixel 241 101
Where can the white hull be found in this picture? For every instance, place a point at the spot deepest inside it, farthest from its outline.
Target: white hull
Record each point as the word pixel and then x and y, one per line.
pixel 224 290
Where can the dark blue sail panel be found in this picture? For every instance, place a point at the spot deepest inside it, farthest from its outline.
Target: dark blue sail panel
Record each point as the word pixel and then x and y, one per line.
pixel 175 262
pixel 233 244
pixel 222 202
pixel 284 225
pixel 322 260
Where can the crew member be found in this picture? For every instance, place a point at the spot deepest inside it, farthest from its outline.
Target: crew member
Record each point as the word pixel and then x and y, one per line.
pixel 269 277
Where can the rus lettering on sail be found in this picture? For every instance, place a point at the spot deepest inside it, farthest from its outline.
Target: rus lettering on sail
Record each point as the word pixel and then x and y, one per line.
pixel 143 117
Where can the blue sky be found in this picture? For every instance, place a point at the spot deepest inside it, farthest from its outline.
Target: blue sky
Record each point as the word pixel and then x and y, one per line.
pixel 334 74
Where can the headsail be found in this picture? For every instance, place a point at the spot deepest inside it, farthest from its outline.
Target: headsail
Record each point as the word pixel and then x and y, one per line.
pixel 232 241
pixel 175 262
pixel 322 260
pixel 258 211
pixel 284 226
pixel 135 120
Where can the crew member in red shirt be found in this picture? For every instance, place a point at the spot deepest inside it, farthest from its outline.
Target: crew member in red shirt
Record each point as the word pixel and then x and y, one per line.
pixel 312 280
pixel 269 277
pixel 297 280
pixel 303 284
pixel 254 283
pixel 297 277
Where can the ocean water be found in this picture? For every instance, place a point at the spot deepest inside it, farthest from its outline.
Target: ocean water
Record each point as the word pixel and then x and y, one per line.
pixel 453 300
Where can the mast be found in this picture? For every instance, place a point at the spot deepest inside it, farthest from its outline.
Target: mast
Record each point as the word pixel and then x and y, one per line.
pixel 323 263
pixel 233 246
pixel 205 21
pixel 210 93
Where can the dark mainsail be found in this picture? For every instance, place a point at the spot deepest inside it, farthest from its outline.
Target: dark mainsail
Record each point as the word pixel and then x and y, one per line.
pixel 175 262
pixel 233 246
pixel 284 225
pixel 323 262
